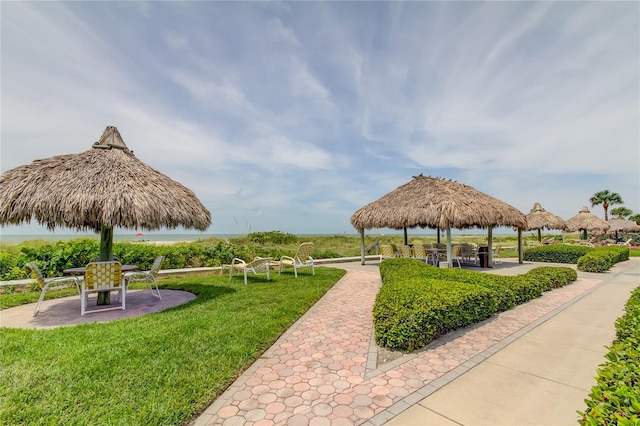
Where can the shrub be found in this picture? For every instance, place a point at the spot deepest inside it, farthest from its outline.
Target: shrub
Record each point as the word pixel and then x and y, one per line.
pixel 588 259
pixel 408 312
pixel 503 295
pixel 419 302
pixel 53 259
pixel 272 237
pixel 601 259
pixel 553 277
pixel 11 266
pixel 411 314
pixel 555 253
pixel 327 254
pixel 593 262
pixel 524 288
pixel 615 399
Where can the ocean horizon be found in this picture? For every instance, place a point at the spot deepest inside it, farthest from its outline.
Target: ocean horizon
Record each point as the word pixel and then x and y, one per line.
pixel 20 238
pixel 190 237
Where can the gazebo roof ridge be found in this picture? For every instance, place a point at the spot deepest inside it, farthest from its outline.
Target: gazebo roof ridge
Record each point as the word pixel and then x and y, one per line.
pixel 111 138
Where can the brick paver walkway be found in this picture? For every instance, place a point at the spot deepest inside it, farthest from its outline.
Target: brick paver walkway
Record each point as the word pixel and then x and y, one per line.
pixel 323 370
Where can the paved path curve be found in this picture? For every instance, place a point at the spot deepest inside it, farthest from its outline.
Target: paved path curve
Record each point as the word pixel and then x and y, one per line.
pixel 324 369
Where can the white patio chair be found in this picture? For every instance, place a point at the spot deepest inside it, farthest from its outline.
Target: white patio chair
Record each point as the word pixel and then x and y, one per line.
pixel 301 259
pixel 256 266
pixel 148 276
pixel 496 255
pixel 48 284
pixel 455 256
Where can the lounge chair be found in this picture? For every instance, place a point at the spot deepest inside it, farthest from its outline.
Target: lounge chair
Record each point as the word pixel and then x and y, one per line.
pixel 626 243
pixel 256 266
pixel 48 284
pixel 301 259
pixel 148 276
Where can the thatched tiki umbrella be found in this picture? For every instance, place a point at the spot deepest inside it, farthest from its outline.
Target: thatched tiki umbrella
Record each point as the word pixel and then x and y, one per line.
pixel 622 225
pixel 430 202
pixel 586 221
pixel 538 218
pixel 99 189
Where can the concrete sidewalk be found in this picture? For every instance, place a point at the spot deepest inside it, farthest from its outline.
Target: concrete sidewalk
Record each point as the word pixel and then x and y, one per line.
pixel 539 376
pixel 531 365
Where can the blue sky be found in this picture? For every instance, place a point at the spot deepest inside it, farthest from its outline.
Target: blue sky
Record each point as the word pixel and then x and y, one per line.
pixel 291 116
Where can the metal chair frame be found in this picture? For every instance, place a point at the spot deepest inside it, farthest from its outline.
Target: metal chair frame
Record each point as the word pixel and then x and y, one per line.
pixel 301 259
pixel 48 284
pixel 148 276
pixel 256 266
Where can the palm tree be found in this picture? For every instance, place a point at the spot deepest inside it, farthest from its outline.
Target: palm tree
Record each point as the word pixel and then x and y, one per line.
pixel 605 198
pixel 621 212
pixel 635 218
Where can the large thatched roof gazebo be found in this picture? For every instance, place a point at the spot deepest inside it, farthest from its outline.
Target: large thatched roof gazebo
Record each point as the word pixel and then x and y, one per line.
pixel 587 222
pixel 430 202
pixel 99 189
pixel 538 218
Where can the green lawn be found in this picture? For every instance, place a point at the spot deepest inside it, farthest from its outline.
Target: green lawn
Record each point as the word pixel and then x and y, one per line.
pixel 162 368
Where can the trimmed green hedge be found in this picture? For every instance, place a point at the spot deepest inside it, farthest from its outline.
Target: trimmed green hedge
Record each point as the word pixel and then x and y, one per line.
pixel 411 314
pixel 588 259
pixel 601 259
pixel 555 253
pixel 419 302
pixel 615 399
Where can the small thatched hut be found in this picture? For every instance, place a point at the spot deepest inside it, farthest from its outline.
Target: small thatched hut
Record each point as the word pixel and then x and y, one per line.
pixel 99 189
pixel 430 202
pixel 538 218
pixel 587 222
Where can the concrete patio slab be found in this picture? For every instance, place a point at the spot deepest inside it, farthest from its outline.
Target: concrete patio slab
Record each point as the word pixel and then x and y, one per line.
pixel 66 311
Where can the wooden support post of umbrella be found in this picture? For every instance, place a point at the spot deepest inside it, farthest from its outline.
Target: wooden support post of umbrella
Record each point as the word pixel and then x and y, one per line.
pixel 430 202
pixel 538 218
pixel 99 189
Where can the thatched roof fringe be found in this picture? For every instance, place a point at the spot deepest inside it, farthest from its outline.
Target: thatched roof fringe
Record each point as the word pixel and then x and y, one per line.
pixel 622 225
pixel 101 186
pixel 429 202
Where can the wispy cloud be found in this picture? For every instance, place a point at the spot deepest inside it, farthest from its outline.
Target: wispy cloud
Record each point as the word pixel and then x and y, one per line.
pixel 291 116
